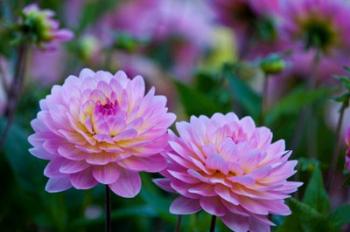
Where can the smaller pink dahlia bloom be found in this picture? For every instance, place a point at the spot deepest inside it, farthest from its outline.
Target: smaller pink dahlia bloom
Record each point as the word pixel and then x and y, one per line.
pixel 45 30
pixel 229 168
pixel 347 142
pixel 101 128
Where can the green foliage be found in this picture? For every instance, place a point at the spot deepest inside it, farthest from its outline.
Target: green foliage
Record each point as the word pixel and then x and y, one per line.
pixel 294 102
pixel 340 216
pixel 196 102
pixel 241 92
pixel 315 193
pixel 93 11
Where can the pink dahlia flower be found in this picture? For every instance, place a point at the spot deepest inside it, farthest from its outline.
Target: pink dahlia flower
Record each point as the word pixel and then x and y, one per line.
pixel 101 128
pixel 229 168
pixel 43 28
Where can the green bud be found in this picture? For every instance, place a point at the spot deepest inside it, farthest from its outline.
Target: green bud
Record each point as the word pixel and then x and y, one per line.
pixel 272 64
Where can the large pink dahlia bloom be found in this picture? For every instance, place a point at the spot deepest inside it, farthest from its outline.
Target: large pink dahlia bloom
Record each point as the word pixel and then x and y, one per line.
pixel 229 168
pixel 101 128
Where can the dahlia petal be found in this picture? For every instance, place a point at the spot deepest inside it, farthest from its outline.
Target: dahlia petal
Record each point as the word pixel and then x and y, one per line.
pixel 203 190
pixel 70 166
pixel 197 175
pixel 106 174
pixel 277 207
pixel 225 193
pixel 52 168
pixel 178 159
pixel 183 176
pixel 125 135
pixel 184 206
pixel 253 206
pixel 83 179
pixel 236 223
pixel 59 184
pixel 40 153
pixel 259 226
pixel 213 206
pixel 163 184
pixel 101 158
pixel 245 180
pixel 69 153
pixel 86 73
pixel 182 188
pixel 128 184
pixel 216 162
pixel 155 163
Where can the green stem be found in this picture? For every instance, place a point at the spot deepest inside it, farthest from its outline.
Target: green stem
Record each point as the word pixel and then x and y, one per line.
pixel 338 142
pixel 212 224
pixel 108 227
pixel 264 99
pixel 15 90
pixel 178 223
pixel 306 115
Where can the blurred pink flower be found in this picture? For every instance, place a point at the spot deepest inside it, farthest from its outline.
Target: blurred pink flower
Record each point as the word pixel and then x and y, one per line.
pixel 100 128
pixel 46 67
pixel 317 24
pixel 180 30
pixel 45 29
pixel 237 13
pixel 303 65
pixel 347 142
pixel 253 23
pixel 229 168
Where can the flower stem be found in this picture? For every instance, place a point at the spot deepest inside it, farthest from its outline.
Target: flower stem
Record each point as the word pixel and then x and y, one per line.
pixel 335 155
pixel 306 115
pixel 178 223
pixel 108 209
pixel 15 90
pixel 264 99
pixel 212 224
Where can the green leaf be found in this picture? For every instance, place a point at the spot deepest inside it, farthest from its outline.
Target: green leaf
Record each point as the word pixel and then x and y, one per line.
pixel 243 93
pixel 315 193
pixel 93 10
pixel 195 102
pixel 340 216
pixel 153 197
pixel 27 169
pixel 344 80
pixel 294 102
pixel 305 164
pixel 132 211
pixel 304 218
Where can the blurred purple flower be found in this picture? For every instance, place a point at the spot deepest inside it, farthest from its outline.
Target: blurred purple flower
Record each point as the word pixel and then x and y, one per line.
pixel 301 63
pixel 183 27
pixel 319 24
pixel 43 28
pixel 46 67
pixel 253 23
